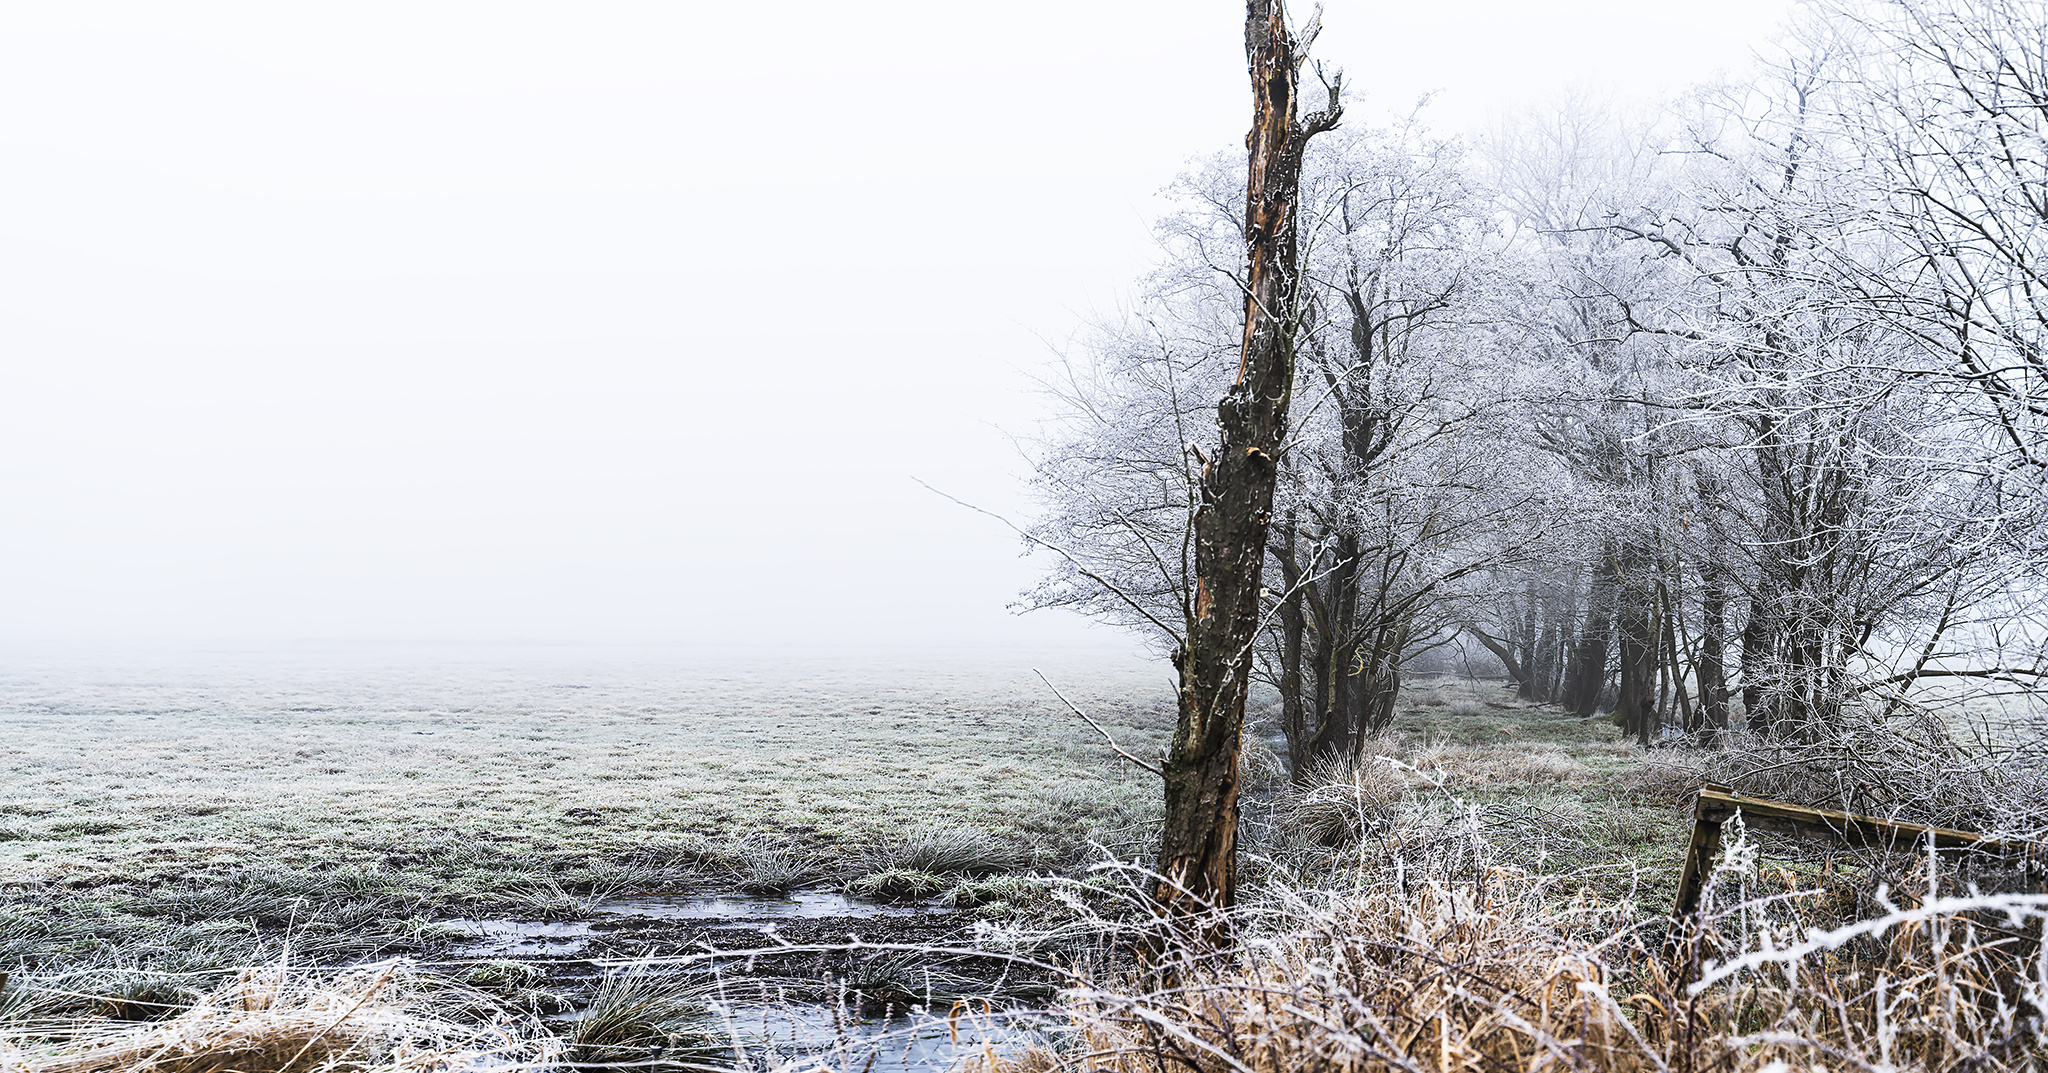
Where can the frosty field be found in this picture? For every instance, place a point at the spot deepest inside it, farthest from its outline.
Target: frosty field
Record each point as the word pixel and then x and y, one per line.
pixel 122 773
pixel 521 827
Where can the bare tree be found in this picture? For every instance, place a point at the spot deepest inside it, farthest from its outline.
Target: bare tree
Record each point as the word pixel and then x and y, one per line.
pixel 1946 102
pixel 1828 479
pixel 1198 845
pixel 1392 497
pixel 1590 614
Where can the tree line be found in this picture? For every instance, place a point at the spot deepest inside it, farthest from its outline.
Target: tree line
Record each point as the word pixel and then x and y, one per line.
pixel 1721 417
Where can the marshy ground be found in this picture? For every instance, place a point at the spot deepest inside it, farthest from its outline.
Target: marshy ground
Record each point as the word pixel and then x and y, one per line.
pixel 525 827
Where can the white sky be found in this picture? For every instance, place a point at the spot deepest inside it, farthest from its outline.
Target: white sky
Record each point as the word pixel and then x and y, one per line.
pixel 610 322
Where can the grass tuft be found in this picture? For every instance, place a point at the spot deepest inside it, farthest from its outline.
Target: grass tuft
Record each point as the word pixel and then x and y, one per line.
pixel 1464 708
pixel 134 996
pixel 638 1018
pixel 885 984
pixel 770 869
pixel 542 897
pixel 1342 801
pixel 942 851
pixel 896 885
pixel 1008 892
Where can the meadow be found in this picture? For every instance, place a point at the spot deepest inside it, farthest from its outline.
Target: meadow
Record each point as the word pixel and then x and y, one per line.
pixel 139 778
pixel 490 785
pixel 164 828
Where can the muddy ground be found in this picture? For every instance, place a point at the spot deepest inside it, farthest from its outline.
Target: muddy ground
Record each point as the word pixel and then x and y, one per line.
pixel 872 958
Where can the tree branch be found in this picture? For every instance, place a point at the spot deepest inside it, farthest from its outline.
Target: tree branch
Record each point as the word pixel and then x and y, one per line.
pixel 1120 751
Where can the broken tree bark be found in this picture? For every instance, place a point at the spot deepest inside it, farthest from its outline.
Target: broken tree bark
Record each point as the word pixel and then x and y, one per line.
pixel 1197 869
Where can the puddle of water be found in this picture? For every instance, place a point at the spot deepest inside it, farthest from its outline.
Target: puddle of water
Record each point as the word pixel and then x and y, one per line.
pixel 917 1044
pixel 510 938
pixel 800 903
pixel 527 938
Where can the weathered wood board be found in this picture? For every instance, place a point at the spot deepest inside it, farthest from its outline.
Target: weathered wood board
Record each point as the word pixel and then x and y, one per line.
pixel 1717 805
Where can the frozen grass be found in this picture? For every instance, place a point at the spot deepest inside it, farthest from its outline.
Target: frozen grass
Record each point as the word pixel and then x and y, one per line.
pixel 135 780
pixel 944 851
pixel 773 869
pixel 1460 962
pixel 1477 891
pixel 638 1018
pixel 999 895
pixel 1491 974
pixel 188 827
pixel 897 885
pixel 1557 793
pixel 274 1022
pixel 186 813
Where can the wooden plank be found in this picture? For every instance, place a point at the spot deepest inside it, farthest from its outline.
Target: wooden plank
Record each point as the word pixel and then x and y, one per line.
pixel 1700 851
pixel 1849 828
pixel 1718 804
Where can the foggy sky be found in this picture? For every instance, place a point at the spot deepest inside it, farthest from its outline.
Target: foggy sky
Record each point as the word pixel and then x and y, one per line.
pixel 611 322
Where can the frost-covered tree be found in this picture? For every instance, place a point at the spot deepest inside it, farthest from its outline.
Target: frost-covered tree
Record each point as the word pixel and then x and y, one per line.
pixel 1727 414
pixel 1945 103
pixel 1393 494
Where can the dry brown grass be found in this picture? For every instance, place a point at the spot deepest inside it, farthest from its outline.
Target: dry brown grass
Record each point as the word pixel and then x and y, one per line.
pixel 1670 781
pixel 1508 763
pixel 271 1022
pixel 1446 978
pixel 1497 974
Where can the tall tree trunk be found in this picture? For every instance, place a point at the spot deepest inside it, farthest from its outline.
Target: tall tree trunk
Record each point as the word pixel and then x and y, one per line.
pixel 1542 665
pixel 1384 660
pixel 1636 655
pixel 1636 648
pixel 1315 720
pixel 1674 660
pixel 1712 668
pixel 1197 869
pixel 1587 678
pixel 1807 673
pixel 1757 690
pixel 1336 707
pixel 1293 631
pixel 1530 640
pixel 1563 617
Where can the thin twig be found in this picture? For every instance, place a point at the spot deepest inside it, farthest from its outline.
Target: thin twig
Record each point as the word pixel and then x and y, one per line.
pixel 1098 726
pixel 1064 554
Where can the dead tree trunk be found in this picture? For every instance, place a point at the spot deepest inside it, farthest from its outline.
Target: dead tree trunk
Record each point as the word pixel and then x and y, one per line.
pixel 1197 868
